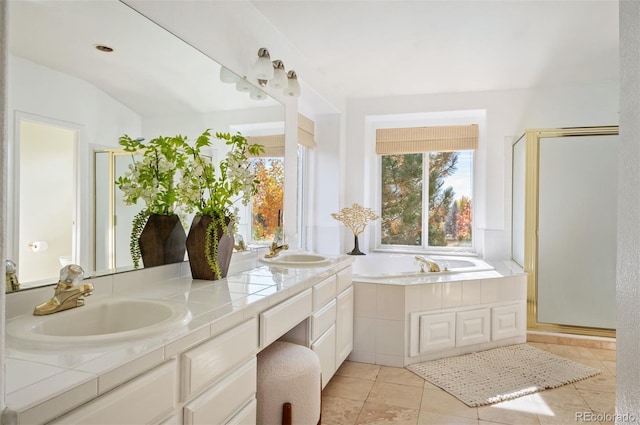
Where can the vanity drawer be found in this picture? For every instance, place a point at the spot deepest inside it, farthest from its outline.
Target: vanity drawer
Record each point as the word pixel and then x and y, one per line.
pixel 323 319
pixel 143 400
pixel 225 399
pixel 345 279
pixel 276 321
pixel 210 360
pixel 247 416
pixel 323 292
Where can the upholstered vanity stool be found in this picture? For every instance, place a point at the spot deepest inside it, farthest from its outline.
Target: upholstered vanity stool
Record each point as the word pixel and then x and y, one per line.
pixel 289 386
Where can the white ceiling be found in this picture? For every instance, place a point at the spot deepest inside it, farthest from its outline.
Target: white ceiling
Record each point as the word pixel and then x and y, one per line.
pixel 388 48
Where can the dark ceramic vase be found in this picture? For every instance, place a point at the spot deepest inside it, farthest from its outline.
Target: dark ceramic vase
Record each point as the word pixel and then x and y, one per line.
pixel 196 239
pixel 162 240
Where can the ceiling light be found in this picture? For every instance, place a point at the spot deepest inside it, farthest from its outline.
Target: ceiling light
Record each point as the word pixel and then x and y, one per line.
pixel 279 80
pixel 103 48
pixel 263 67
pixel 293 87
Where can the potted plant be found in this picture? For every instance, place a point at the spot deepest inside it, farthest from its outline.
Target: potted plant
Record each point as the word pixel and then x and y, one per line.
pixel 157 236
pixel 209 191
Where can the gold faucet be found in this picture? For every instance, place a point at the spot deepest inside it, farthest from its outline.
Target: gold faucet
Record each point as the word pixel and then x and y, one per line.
pixel 67 293
pixel 275 247
pixel 11 277
pixel 433 266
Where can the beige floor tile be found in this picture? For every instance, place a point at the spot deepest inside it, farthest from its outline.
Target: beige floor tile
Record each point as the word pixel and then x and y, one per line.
pixel 429 386
pixel 610 365
pixel 481 422
pixel 507 416
pixel 607 345
pixel 603 383
pixel 599 401
pixel 561 417
pixel 398 375
pixel 590 361
pixel 566 398
pixel 602 354
pixel 359 370
pixel 430 418
pixel 350 388
pixel 396 395
pixel 571 351
pixel 382 414
pixel 340 411
pixel 439 401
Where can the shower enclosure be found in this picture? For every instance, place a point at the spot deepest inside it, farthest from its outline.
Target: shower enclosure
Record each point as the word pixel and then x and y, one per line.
pixel 564 227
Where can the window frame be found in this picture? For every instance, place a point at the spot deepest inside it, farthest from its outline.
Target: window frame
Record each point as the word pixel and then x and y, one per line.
pixel 424 248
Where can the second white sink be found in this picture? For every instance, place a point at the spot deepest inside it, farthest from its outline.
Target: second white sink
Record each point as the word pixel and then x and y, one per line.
pixel 298 260
pixel 109 321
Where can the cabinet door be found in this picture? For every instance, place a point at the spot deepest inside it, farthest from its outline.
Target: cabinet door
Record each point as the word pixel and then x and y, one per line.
pixel 142 400
pixel 344 325
pixel 325 348
pixel 472 327
pixel 508 321
pixel 437 331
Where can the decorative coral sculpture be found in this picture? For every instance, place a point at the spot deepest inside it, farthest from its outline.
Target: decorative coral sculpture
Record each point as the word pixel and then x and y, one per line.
pixel 355 218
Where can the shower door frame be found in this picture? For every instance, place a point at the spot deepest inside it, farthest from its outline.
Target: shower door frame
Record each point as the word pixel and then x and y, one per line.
pixel 532 167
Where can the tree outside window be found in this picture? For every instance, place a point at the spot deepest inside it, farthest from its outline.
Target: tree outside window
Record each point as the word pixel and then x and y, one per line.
pixel 267 203
pixel 448 214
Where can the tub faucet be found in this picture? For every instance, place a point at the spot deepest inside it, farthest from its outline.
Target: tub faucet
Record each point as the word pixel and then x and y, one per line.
pixel 11 277
pixel 67 293
pixel 433 266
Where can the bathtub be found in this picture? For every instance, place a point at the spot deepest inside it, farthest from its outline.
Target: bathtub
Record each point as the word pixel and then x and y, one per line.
pixel 385 266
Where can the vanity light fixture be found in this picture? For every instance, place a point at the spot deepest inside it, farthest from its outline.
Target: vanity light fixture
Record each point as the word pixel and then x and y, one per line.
pixel 293 87
pixel 243 85
pixel 263 67
pixel 279 80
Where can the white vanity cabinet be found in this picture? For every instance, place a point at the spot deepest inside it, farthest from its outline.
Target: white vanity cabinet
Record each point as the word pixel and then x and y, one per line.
pixel 143 400
pixel 332 322
pixel 213 379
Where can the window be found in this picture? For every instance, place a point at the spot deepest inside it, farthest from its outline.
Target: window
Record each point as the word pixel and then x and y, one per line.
pixel 267 204
pixel 425 197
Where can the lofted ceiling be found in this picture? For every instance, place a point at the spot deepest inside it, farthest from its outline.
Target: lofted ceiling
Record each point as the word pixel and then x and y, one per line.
pixel 366 49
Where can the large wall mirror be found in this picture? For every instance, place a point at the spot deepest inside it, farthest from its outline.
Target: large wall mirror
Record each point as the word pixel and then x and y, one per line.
pixel 70 100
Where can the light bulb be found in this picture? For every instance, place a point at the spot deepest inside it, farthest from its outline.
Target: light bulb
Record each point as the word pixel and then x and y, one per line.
pixel 279 80
pixel 293 87
pixel 263 67
pixel 257 94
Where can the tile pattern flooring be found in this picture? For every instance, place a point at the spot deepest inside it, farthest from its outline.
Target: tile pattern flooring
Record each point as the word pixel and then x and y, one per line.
pixel 361 393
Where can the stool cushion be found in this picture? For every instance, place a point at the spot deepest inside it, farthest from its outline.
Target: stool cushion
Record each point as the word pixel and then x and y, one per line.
pixel 288 373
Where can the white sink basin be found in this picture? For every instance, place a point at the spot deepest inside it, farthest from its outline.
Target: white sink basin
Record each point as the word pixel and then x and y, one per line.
pixel 106 322
pixel 298 260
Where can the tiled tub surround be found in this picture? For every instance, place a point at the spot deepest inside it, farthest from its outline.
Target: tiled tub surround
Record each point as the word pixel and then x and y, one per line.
pixel 173 370
pixel 404 320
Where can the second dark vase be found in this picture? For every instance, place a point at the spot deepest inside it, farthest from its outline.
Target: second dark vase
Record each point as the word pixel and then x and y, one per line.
pixel 162 240
pixel 200 268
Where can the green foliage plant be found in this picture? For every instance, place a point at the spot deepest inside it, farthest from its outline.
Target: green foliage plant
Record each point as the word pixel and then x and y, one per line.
pixel 210 190
pixel 152 179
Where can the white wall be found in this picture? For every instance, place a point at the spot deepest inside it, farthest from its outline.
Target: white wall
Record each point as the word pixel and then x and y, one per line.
pixel 42 91
pixel 628 268
pixel 3 188
pixel 508 114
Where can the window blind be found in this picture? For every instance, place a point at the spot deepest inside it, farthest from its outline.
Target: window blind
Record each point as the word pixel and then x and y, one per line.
pixel 273 145
pixel 306 132
pixel 392 141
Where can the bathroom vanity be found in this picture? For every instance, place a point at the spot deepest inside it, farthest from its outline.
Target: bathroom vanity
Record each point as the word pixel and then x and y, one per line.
pixel 203 371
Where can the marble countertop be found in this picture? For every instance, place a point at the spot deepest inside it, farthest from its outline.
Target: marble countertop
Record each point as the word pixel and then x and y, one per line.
pixel 69 377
